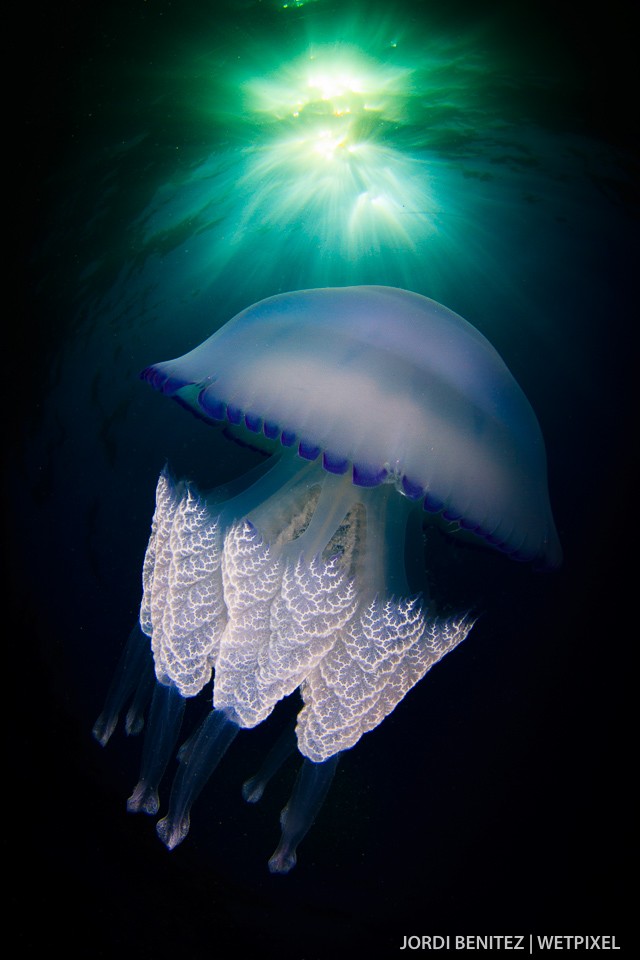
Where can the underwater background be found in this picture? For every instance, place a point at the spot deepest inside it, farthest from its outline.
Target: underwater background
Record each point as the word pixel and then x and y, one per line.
pixel 178 162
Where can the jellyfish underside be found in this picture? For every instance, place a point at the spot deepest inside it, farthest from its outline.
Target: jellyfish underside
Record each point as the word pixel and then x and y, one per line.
pixel 296 581
pixel 376 405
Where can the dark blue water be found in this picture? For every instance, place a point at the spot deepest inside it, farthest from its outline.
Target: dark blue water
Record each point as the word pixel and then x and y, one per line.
pixel 178 163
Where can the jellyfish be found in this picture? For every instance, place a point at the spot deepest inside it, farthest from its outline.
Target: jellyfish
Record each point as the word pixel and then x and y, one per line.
pixel 376 407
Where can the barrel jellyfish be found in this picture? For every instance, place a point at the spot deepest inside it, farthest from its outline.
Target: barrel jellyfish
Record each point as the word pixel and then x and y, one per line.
pixel 377 406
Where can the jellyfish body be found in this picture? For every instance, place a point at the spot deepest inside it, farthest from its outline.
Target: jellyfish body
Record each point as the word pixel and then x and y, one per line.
pixel 377 405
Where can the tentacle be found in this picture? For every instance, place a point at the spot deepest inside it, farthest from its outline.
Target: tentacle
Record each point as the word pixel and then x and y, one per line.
pixel 205 751
pixel 311 787
pixel 254 787
pixel 165 719
pixel 133 677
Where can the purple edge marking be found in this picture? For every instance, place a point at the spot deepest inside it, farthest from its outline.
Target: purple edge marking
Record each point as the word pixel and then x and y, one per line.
pixel 363 475
pixel 253 423
pixel 308 450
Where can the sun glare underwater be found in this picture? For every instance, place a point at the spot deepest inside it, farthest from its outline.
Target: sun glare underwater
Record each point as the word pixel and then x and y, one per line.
pixel 317 196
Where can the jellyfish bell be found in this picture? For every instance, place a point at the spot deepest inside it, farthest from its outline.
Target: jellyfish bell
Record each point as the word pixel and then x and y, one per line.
pixel 376 406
